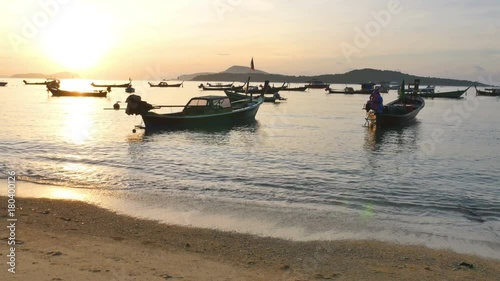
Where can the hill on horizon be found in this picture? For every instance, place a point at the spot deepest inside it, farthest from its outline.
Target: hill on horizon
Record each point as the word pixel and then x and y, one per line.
pixel 59 75
pixel 357 76
pixel 235 69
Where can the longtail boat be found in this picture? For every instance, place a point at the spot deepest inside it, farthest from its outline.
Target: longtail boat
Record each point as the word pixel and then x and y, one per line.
pixel 491 92
pixel 164 84
pixel 63 93
pixel 125 85
pixel 449 95
pixel 200 112
pixel 235 96
pixel 398 112
pixel 3 84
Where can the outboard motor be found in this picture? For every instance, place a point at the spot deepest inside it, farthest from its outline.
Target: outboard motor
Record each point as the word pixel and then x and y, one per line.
pixel 136 106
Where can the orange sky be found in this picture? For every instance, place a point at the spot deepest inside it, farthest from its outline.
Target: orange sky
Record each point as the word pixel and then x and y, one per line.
pixel 103 39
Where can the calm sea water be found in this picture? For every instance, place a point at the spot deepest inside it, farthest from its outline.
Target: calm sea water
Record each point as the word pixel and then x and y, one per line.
pixel 307 169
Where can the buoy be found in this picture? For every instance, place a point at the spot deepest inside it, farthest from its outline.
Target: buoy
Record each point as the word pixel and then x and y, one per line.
pixel 116 106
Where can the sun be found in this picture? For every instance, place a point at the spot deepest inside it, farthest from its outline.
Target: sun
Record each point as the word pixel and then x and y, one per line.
pixel 79 39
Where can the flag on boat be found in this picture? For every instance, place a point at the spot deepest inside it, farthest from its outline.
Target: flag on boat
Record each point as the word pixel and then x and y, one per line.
pixel 251 65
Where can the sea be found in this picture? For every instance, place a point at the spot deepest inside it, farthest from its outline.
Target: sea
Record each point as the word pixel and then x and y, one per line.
pixel 307 169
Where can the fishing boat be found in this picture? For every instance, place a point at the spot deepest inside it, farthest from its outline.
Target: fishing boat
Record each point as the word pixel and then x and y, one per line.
pixel 396 113
pixel 220 85
pixel 199 112
pixel 164 84
pixel 449 95
pixel 35 83
pixel 316 84
pixel 491 92
pixel 294 89
pixel 54 83
pixel 415 88
pixel 125 85
pixel 63 93
pixel 349 91
pixel 3 84
pixel 205 88
pixel 266 89
pixel 366 89
pixel 235 96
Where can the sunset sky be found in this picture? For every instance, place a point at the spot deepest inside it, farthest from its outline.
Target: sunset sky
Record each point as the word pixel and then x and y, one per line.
pixel 159 38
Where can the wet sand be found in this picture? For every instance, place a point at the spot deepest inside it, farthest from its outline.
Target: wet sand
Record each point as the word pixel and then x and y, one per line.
pixel 72 240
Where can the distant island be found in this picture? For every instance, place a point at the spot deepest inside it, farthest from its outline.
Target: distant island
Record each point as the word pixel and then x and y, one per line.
pixel 59 75
pixel 241 73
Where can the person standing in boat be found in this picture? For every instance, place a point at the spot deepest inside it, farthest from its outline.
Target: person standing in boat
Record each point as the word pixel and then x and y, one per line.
pixel 376 102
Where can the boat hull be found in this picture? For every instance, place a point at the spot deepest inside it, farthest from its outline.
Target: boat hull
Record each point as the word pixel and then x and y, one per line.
pixel 487 93
pixel 155 122
pixel 356 92
pixel 165 85
pixel 446 95
pixel 398 113
pixel 63 93
pixel 110 85
pixel 3 84
pixel 235 96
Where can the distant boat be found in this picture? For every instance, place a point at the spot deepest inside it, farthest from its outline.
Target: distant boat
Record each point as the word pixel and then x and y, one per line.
pixel 316 84
pixel 366 89
pixel 54 83
pixel 111 85
pixel 294 89
pixel 235 96
pixel 200 112
pixel 218 85
pixel 449 95
pixel 207 88
pixel 491 92
pixel 3 84
pixel 62 93
pixel 349 91
pixel 35 83
pixel 430 89
pixel 164 84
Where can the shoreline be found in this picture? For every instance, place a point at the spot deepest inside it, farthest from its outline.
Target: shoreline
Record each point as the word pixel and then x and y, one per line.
pixel 73 240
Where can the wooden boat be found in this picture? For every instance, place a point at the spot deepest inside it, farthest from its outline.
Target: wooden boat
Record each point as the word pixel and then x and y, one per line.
pixel 54 83
pixel 3 84
pixel 398 112
pixel 199 112
pixel 259 91
pixel 35 83
pixel 205 88
pixel 235 96
pixel 111 85
pixel 491 92
pixel 428 90
pixel 164 84
pixel 218 85
pixel 316 84
pixel 295 89
pixel 449 95
pixel 62 93
pixel 366 89
pixel 349 91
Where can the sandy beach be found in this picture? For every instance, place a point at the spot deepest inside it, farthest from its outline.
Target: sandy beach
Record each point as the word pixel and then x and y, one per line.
pixel 71 240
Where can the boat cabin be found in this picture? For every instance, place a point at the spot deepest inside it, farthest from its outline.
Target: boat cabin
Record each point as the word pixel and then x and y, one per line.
pixel 207 105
